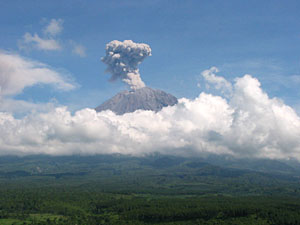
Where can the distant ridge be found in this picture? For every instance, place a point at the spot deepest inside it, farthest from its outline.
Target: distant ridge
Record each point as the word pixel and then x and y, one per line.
pixel 143 98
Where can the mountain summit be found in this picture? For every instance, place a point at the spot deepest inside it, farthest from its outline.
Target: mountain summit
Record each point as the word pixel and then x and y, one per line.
pixel 143 98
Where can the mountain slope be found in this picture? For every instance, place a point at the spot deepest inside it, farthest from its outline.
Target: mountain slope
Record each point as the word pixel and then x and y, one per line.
pixel 144 98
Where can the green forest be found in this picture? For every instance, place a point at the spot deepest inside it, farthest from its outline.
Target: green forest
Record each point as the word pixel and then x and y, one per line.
pixel 148 190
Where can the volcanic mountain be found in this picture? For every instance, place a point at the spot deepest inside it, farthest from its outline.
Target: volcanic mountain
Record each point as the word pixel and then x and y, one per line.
pixel 143 98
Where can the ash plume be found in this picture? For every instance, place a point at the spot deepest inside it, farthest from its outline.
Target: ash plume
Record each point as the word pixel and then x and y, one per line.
pixel 122 60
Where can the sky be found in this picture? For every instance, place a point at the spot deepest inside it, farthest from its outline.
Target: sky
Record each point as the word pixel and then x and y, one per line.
pixel 234 65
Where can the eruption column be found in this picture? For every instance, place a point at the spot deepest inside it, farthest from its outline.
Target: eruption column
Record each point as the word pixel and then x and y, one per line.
pixel 122 60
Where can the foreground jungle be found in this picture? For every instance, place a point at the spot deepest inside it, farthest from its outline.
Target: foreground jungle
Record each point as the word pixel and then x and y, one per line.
pixel 157 189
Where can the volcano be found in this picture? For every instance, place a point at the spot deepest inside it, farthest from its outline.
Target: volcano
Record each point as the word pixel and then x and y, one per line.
pixel 143 98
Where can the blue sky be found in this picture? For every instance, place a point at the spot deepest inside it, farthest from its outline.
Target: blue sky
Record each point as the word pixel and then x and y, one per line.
pixel 261 38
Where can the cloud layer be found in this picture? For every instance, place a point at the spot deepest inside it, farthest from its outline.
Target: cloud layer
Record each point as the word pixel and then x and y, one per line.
pixel 248 124
pixel 123 58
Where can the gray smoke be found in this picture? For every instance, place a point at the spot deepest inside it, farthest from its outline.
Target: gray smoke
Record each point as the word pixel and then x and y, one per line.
pixel 123 58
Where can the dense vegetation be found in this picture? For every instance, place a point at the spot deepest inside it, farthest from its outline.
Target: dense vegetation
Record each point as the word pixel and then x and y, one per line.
pixel 66 206
pixel 151 190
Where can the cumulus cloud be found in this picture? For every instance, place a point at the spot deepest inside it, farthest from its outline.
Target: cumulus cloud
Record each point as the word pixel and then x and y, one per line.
pixel 248 124
pixel 123 58
pixel 16 73
pixel 220 83
pixel 20 108
pixel 54 27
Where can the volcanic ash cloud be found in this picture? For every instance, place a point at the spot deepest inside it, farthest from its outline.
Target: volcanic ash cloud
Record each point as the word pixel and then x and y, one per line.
pixel 122 60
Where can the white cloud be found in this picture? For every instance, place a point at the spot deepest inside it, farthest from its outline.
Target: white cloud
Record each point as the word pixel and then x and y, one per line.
pixel 220 83
pixel 249 124
pixel 54 27
pixel 268 126
pixel 47 42
pixel 16 73
pixel 297 108
pixel 40 43
pixel 20 108
pixel 79 50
